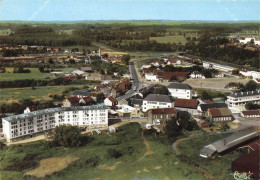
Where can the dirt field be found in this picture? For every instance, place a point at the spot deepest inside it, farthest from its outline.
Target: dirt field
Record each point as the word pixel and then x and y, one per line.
pixel 51 165
pixel 214 82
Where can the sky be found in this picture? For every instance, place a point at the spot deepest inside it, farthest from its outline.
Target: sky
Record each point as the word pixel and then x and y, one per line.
pixel 179 10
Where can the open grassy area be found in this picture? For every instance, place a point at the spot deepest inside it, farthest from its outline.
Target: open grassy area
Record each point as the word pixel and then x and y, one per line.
pixel 96 163
pixel 10 95
pixel 34 74
pixel 170 39
pixel 219 167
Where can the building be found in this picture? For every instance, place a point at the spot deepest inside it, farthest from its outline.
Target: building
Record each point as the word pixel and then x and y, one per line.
pixel 189 105
pixel 81 93
pixel 110 101
pixel 203 108
pixel 128 111
pixel 158 116
pixel 71 101
pixel 248 39
pixel 151 77
pixel 250 74
pixel 239 99
pixel 28 124
pixel 219 115
pixel 210 65
pixel 251 113
pixel 197 75
pixel 182 91
pixel 156 101
pixel 231 142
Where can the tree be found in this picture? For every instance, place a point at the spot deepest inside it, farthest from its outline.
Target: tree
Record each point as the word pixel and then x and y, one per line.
pixel 160 89
pixel 50 61
pixel 172 129
pixel 235 71
pixel 205 95
pixel 125 59
pixel 252 106
pixel 251 86
pixel 67 136
pixel 41 69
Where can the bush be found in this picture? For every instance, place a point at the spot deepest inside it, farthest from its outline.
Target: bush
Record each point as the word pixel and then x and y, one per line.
pixel 113 153
pixel 21 165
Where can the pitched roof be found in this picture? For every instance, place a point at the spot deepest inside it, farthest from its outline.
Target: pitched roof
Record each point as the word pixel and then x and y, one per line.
pixel 82 92
pixel 208 101
pixel 251 112
pixel 219 112
pixel 244 94
pixel 186 103
pixel 179 86
pixel 33 108
pixel 205 107
pixel 87 99
pixel 86 68
pixel 73 99
pixel 112 99
pixel 158 98
pixel 164 111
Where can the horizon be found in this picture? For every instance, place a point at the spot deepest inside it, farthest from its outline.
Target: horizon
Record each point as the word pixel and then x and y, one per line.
pixel 129 10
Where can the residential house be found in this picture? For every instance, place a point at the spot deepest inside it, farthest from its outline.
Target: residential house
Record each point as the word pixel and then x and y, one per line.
pixel 239 99
pixel 110 101
pixel 30 109
pixel 174 62
pixel 71 101
pixel 158 116
pixel 189 105
pixel 219 115
pixel 203 108
pixel 156 101
pixel 115 92
pixel 151 77
pixel 78 72
pixel 251 113
pixel 182 91
pixel 86 69
pixel 197 75
pixel 128 111
pixel 86 101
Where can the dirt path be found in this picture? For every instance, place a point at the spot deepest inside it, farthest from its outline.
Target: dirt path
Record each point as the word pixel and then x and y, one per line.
pixel 148 149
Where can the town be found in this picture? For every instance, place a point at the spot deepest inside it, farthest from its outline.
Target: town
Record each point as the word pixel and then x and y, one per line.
pixel 194 110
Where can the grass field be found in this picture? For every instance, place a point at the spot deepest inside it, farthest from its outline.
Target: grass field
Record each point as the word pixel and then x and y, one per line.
pixel 214 82
pixel 95 163
pixel 34 74
pixel 10 95
pixel 170 39
pixel 219 167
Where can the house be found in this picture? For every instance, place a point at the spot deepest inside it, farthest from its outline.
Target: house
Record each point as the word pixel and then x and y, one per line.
pixel 248 39
pixel 108 78
pixel 30 109
pixel 203 108
pixel 156 101
pixel 110 101
pixel 86 69
pixel 251 113
pixel 78 72
pixel 115 92
pixel 151 77
pixel 239 99
pixel 26 125
pixel 169 76
pixel 219 114
pixel 135 100
pixel 203 124
pixel 189 105
pixel 81 93
pixel 86 101
pixel 128 111
pixel 158 116
pixel 71 101
pixel 250 74
pixel 182 91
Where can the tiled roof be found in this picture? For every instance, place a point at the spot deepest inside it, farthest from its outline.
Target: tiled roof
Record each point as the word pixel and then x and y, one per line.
pixel 186 103
pixel 163 111
pixel 251 112
pixel 219 112
pixel 87 99
pixel 33 108
pixel 158 98
pixel 179 86
pixel 208 101
pixel 205 107
pixel 169 75
pixel 73 99
pixel 112 99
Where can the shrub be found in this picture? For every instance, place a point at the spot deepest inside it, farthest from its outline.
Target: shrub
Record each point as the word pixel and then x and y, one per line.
pixel 113 153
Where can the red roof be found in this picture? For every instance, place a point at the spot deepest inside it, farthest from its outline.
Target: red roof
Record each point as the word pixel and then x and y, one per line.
pixel 100 86
pixel 208 101
pixel 87 99
pixel 164 111
pixel 251 112
pixel 146 71
pixel 186 103
pixel 219 112
pixel 93 94
pixel 255 145
pixel 73 99
pixel 112 99
pixel 33 108
pixel 169 75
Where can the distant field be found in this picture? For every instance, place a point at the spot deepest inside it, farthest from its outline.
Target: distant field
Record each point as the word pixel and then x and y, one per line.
pixel 10 95
pixel 214 82
pixel 34 74
pixel 170 39
pixel 91 47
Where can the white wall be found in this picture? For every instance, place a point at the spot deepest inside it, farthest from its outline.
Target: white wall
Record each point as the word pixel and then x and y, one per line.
pixel 180 93
pixel 155 105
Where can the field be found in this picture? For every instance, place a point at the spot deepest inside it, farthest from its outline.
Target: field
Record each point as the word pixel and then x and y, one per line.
pixel 34 74
pixel 219 167
pixel 218 83
pixel 170 39
pixel 96 163
pixel 10 95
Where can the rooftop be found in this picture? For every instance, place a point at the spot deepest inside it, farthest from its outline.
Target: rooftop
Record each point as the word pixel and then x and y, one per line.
pixel 53 110
pixel 163 111
pixel 244 94
pixel 186 103
pixel 179 86
pixel 251 112
pixel 205 107
pixel 158 98
pixel 82 92
pixel 219 112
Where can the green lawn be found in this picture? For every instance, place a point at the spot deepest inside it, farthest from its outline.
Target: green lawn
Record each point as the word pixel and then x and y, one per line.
pixel 219 167
pixel 9 95
pixel 34 74
pixel 170 39
pixel 161 164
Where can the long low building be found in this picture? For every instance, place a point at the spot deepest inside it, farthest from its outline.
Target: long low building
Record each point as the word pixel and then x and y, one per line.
pixel 27 124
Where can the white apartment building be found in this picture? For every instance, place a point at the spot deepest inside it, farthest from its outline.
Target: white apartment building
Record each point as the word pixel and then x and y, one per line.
pixel 30 123
pixel 151 77
pixel 239 99
pixel 156 101
pixel 210 65
pixel 181 91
